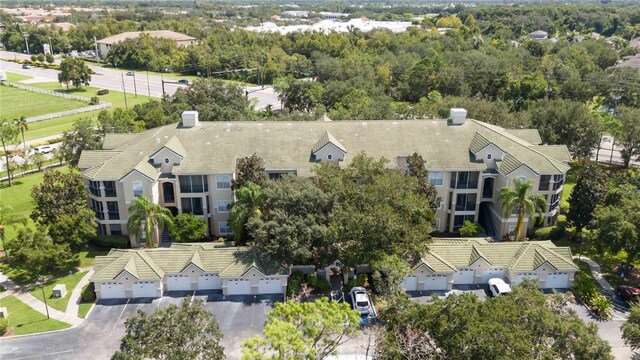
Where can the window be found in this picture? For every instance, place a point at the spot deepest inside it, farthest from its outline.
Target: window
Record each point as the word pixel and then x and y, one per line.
pixel 223 181
pixel 109 188
pixel 466 202
pixel 137 188
pixel 94 188
pixel 102 229
pixel 166 160
pixel 558 180
pixel 489 156
pixel 112 209
pixel 436 178
pixel 224 228
pixel 115 229
pixel 329 156
pixel 440 204
pixel 458 220
pixel 97 208
pixel 437 228
pixel 224 206
pixel 545 181
pixel 464 179
pixel 522 178
pixel 192 206
pixel 555 201
pixel 277 175
pixel 193 183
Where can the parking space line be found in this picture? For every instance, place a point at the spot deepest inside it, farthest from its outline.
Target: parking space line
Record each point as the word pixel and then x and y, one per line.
pixel 121 312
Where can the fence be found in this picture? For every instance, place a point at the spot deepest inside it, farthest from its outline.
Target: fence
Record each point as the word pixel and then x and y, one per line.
pixel 101 105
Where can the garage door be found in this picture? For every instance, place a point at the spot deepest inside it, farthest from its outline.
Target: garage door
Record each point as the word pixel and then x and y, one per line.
pixel 410 283
pixel 209 282
pixel 521 277
pixel 491 273
pixel 112 291
pixel 464 276
pixel 557 281
pixel 143 289
pixel 270 286
pixel 178 283
pixel 435 282
pixel 239 287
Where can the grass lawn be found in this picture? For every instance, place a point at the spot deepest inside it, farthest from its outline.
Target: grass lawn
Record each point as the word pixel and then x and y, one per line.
pixel 141 74
pixel 58 303
pixel 116 98
pixel 17 102
pixel 85 306
pixel 88 258
pixel 13 77
pixel 25 320
pixel 566 190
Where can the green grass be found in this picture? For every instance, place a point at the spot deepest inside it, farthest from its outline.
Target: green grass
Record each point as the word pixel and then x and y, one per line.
pixel 17 102
pixel 25 320
pixel 58 303
pixel 141 75
pixel 13 77
pixel 566 191
pixel 85 306
pixel 88 258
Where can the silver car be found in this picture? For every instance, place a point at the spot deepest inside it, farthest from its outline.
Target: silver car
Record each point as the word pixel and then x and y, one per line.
pixel 360 300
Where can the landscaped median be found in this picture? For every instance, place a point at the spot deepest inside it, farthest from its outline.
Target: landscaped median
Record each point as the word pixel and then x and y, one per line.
pixel 69 281
pixel 25 320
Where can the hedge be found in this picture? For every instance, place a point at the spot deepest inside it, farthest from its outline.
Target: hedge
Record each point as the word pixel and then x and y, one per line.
pixel 112 241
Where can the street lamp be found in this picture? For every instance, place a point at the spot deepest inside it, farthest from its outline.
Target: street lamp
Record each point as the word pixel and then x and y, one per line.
pixel 46 306
pixel 26 36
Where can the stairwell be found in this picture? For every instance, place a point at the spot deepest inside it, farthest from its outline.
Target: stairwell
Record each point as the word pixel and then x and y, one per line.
pixel 486 221
pixel 166 238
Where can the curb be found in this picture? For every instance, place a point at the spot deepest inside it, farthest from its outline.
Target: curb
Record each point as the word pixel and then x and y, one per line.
pixel 41 333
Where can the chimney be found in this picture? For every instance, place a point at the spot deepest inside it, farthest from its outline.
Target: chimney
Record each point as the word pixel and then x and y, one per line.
pixel 189 119
pixel 458 116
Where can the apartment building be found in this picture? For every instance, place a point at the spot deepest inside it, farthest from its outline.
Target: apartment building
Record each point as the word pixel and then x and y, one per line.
pixel 188 167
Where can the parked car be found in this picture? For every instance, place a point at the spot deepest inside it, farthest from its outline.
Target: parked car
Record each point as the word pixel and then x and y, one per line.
pixel 43 149
pixel 628 293
pixel 360 300
pixel 26 66
pixel 498 287
pixel 183 81
pixel 130 73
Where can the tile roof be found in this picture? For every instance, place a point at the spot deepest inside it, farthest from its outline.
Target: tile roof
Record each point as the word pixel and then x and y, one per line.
pixel 112 141
pixel 557 152
pixel 165 34
pixel 152 264
pixel 325 139
pixel 478 143
pixel 529 135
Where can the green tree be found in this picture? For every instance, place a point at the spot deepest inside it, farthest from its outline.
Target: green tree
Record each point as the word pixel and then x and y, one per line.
pixel 521 200
pixel 119 121
pixel 39 160
pixel 299 95
pixel 83 136
pixel 142 212
pixel 631 328
pixel 214 100
pixel 470 229
pixel 8 133
pixel 74 71
pixel 451 21
pixel 249 170
pixel 8 217
pixel 249 204
pixel 155 113
pixel 23 125
pixel 417 168
pixel 309 330
pixel 75 230
pixel 188 228
pixel 49 58
pixel 187 331
pixel 628 133
pixel 589 191
pixel 58 194
pixel 40 57
pixel 34 252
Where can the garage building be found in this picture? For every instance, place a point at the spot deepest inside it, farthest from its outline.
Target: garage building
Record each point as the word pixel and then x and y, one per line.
pixel 467 261
pixel 149 273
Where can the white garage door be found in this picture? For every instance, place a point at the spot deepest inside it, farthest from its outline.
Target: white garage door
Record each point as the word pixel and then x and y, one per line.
pixel 142 289
pixel 435 282
pixel 410 283
pixel 557 281
pixel 464 276
pixel 178 282
pixel 521 277
pixel 270 286
pixel 239 287
pixel 209 282
pixel 112 291
pixel 492 273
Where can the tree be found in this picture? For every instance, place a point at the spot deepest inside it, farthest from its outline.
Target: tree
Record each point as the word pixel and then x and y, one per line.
pixel 470 229
pixel 521 200
pixel 8 217
pixel 23 125
pixel 142 212
pixel 628 133
pixel 451 21
pixel 631 328
pixel 8 134
pixel 83 136
pixel 214 100
pixel 527 324
pixel 187 331
pixel 75 230
pixel 35 252
pixel 39 160
pixel 74 71
pixel 589 191
pixel 49 58
pixel 249 203
pixel 299 95
pixel 417 168
pixel 188 228
pixel 249 170
pixel 119 121
pixel 309 330
pixel 58 194
pixel 40 57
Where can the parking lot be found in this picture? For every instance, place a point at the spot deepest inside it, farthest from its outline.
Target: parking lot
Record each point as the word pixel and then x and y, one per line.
pixel 240 317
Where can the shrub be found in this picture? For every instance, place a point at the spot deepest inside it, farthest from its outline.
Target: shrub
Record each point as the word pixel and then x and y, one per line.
pixel 94 100
pixel 112 241
pixel 587 290
pixel 358 281
pixel 33 57
pixel 543 233
pixel 88 294
pixel 4 326
pixel 295 280
pixel 40 57
pixel 188 228
pixel 470 229
pixel 103 92
pixel 317 283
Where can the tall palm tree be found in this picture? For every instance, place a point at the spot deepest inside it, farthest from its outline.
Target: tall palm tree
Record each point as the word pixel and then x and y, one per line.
pixel 23 125
pixel 523 201
pixel 9 218
pixel 153 216
pixel 249 202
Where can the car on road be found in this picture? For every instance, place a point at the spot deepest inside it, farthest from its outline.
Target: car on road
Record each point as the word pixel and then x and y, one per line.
pixel 628 293
pixel 26 66
pixel 360 300
pixel 183 81
pixel 498 287
pixel 130 73
pixel 43 149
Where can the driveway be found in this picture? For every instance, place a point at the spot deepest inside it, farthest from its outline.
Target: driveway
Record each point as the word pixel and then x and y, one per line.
pixel 240 317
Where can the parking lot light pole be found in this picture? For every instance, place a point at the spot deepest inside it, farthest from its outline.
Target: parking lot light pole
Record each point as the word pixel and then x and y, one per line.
pixel 44 298
pixel 26 41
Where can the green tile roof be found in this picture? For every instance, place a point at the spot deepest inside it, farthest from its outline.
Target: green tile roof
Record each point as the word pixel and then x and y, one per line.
pixel 557 152
pixel 478 143
pixel 531 136
pixel 90 158
pixel 136 263
pixel 112 141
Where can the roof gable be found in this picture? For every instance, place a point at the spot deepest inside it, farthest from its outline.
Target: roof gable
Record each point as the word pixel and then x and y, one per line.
pixel 326 139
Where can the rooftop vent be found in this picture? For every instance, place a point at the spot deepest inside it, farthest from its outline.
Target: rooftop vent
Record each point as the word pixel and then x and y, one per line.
pixel 458 116
pixel 189 119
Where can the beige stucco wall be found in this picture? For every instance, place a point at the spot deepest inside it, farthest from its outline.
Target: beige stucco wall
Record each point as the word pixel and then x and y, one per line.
pixel 254 276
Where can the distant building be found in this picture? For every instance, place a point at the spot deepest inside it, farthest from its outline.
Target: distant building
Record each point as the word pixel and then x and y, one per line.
pixel 332 15
pixel 539 35
pixel 64 26
pixel 296 13
pixel 181 39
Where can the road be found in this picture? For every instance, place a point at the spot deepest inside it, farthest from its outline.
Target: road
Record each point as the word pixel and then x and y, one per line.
pixel 150 85
pixel 610 152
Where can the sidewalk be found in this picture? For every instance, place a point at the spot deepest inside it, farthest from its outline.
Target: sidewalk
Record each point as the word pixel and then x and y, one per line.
pixel 597 274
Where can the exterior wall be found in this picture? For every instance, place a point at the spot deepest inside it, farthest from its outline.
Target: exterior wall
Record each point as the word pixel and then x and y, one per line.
pixel 254 276
pixel 423 271
pixel 127 280
pixel 443 193
pixel 489 155
pixel 330 149
pixel 542 272
pixel 216 194
pixel 165 154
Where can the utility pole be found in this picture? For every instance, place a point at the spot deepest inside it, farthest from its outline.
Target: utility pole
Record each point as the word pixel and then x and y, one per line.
pixel 95 44
pixel 26 41
pixel 135 87
pixel 44 297
pixel 148 86
pixel 126 105
pixel 162 80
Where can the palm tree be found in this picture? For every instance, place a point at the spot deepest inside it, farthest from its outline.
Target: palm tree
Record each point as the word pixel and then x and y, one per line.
pixel 249 202
pixel 153 216
pixel 9 218
pixel 23 125
pixel 523 201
